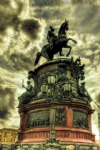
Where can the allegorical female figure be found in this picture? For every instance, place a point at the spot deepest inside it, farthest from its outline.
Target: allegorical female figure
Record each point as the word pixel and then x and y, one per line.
pixel 26 96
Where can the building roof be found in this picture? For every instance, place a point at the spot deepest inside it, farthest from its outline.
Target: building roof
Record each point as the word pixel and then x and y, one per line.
pixel 9 129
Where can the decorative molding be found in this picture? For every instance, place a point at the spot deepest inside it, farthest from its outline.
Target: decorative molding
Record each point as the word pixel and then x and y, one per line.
pixel 65 134
pixel 60 116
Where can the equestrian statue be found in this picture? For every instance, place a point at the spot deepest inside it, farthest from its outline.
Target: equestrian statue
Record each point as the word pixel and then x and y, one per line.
pixel 55 43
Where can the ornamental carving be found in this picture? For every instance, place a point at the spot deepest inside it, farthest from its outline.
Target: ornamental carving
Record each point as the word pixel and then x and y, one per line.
pixel 58 80
pixel 60 117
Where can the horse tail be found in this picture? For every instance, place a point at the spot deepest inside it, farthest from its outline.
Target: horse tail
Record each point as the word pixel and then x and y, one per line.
pixel 38 55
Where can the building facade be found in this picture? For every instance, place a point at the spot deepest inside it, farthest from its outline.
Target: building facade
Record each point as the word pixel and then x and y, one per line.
pixel 8 136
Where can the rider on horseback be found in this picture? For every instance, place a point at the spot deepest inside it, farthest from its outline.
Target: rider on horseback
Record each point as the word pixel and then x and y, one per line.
pixel 51 37
pixel 56 43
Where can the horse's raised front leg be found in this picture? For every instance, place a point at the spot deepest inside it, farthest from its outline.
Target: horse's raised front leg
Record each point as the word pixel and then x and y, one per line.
pixel 67 46
pixel 70 39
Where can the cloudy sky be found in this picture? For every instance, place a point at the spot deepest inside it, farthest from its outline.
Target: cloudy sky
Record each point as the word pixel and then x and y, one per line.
pixel 23 30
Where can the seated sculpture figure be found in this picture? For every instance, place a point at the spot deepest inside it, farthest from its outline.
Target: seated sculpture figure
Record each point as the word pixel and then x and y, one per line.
pixel 26 96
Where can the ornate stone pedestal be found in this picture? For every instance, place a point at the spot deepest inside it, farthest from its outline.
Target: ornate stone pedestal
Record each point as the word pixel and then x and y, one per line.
pixel 60 101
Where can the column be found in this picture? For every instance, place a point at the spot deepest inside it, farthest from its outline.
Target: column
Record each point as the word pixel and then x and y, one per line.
pixel 69 117
pixel 52 122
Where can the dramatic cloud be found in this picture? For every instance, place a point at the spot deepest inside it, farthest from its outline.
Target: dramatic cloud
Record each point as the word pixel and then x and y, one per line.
pixel 9 16
pixel 4 2
pixel 31 27
pixel 98 98
pixel 88 19
pixel 54 13
pixel 18 35
pixel 4 64
pixel 46 3
pixel 7 97
pixel 85 1
pixel 21 61
pixel 10 83
pixel 83 17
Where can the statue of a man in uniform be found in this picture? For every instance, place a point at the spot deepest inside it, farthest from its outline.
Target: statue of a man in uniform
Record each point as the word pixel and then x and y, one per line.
pixel 51 37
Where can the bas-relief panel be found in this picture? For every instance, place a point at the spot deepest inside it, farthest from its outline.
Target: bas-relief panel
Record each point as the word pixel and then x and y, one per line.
pixel 38 119
pixel 80 119
pixel 42 118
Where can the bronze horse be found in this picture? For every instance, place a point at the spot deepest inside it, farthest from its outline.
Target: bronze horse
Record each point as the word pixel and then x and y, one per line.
pixel 61 41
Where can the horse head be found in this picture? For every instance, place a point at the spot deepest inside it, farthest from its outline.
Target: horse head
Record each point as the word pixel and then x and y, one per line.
pixel 63 27
pixel 66 24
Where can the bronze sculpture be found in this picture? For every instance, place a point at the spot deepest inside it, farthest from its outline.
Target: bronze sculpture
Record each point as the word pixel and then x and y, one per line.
pixel 26 96
pixel 51 37
pixel 55 43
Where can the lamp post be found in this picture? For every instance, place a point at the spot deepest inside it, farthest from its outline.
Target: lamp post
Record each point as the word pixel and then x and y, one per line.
pixel 44 88
pixel 52 143
pixel 52 123
pixel 67 87
pixel 51 79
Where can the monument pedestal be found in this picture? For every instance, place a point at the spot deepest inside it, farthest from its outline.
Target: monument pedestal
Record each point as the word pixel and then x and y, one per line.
pixel 67 128
pixel 58 100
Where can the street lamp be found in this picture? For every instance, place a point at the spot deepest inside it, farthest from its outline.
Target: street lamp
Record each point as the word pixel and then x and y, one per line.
pixel 67 87
pixel 51 79
pixel 44 88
